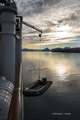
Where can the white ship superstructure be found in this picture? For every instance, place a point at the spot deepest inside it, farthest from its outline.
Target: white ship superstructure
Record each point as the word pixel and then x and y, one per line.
pixel 10 56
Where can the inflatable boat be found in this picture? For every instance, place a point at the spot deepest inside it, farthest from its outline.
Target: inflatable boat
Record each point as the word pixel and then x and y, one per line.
pixel 37 88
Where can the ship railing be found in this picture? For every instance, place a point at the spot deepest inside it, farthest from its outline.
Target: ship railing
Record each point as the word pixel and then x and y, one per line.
pixel 15 111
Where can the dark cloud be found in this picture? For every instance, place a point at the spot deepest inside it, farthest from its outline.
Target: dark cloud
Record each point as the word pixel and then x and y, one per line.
pixel 47 30
pixel 50 23
pixel 72 38
pixel 51 2
pixel 71 18
pixel 33 7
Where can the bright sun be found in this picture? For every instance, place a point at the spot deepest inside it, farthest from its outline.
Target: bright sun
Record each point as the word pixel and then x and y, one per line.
pixel 63 31
pixel 63 28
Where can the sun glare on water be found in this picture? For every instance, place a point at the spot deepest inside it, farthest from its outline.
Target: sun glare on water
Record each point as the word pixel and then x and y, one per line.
pixel 61 70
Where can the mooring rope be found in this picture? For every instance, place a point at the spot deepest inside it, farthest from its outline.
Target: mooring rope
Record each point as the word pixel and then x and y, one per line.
pixel 40 35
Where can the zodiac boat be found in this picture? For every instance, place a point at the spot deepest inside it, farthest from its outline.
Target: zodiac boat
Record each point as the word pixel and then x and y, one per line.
pixel 37 88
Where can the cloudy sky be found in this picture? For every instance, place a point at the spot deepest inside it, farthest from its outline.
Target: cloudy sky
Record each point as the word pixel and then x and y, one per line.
pixel 59 20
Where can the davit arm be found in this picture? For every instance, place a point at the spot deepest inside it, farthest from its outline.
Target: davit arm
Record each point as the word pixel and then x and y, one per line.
pixel 29 25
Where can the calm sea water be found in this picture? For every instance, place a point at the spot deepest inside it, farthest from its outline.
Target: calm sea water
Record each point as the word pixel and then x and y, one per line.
pixel 62 100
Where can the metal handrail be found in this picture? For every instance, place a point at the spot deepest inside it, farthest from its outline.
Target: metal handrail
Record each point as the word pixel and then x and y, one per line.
pixel 15 106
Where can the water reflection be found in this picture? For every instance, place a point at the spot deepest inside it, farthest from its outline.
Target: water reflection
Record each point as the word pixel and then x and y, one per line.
pixel 59 65
pixel 61 70
pixel 63 95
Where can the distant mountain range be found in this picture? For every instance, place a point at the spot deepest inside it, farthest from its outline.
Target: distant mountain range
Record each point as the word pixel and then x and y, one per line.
pixel 34 50
pixel 66 49
pixel 46 49
pixel 28 50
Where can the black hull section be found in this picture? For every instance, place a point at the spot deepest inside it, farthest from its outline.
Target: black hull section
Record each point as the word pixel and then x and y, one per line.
pixel 37 88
